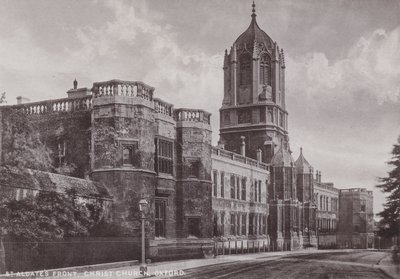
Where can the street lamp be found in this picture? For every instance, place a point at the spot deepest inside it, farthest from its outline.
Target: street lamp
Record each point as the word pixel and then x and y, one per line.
pixel 143 203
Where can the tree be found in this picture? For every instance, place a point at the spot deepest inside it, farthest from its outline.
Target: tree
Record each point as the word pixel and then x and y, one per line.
pixel 390 223
pixel 23 147
pixel 3 98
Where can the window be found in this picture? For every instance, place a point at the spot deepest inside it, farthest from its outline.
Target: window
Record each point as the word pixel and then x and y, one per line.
pixel 238 188
pixel 215 224
pixel 222 223
pixel 262 114
pixel 127 155
pixel 259 191
pixel 164 159
pixel 244 188
pixel 61 147
pixel 194 226
pixel 222 184
pixel 232 186
pixel 255 191
pixel 233 225
pixel 264 225
pixel 194 168
pixel 245 69
pixel 244 224
pixel 215 182
pixel 362 206
pixel 270 116
pixel 260 224
pixel 281 119
pixel 251 224
pixel 265 70
pixel 160 206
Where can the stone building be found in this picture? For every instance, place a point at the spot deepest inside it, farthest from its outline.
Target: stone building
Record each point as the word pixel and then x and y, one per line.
pixel 254 120
pixel 356 218
pixel 247 188
pixel 326 198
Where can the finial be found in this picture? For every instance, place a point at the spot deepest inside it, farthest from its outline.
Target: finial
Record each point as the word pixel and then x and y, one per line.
pixel 75 84
pixel 253 10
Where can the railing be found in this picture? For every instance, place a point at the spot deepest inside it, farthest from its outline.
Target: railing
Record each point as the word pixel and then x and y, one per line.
pixel 162 107
pixel 239 158
pixel 194 115
pixel 59 105
pixel 123 88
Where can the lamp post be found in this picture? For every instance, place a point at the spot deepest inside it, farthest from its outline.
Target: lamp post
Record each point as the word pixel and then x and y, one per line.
pixel 143 203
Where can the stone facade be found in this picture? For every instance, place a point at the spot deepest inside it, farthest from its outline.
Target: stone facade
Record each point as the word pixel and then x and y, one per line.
pixel 240 197
pixel 326 197
pixel 356 218
pixel 248 188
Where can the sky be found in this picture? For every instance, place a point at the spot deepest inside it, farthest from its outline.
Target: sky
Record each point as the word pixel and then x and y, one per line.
pixel 342 65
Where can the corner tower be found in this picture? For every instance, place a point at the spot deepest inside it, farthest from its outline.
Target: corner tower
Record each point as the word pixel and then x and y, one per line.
pixel 254 95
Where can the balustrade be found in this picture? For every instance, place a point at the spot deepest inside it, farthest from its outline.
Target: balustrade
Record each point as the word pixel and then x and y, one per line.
pixel 123 88
pixel 163 107
pixel 60 105
pixel 194 115
pixel 239 158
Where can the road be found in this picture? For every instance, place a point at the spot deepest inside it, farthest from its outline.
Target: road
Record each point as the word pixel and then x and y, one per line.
pixel 355 264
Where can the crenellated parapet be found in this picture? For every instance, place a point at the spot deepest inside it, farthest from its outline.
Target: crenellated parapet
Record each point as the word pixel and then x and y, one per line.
pixel 117 87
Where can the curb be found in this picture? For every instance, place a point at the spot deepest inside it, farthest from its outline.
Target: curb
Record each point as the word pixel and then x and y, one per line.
pixel 73 269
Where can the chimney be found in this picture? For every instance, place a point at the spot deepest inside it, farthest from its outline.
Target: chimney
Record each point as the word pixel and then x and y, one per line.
pixel 243 147
pixel 316 175
pixel 259 155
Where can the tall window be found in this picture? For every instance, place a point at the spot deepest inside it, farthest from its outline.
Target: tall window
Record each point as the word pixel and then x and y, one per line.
pixel 262 114
pixel 264 226
pixel 194 226
pixel 265 70
pixel 222 184
pixel 244 224
pixel 259 191
pixel 245 69
pixel 164 157
pixel 251 224
pixel 222 223
pixel 244 188
pixel 232 186
pixel 160 206
pixel 215 224
pixel 215 182
pixel 233 225
pixel 238 187
pixel 255 191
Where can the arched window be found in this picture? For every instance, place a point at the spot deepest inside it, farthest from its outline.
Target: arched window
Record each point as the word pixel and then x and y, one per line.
pixel 265 69
pixel 245 69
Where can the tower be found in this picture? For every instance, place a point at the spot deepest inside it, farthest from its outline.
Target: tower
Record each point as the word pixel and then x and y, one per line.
pixel 254 95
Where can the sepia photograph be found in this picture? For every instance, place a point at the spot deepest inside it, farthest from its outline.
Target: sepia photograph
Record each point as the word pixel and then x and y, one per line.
pixel 200 139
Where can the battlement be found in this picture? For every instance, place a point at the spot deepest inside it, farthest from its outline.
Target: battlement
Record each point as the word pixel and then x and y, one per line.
pixel 357 190
pixel 239 158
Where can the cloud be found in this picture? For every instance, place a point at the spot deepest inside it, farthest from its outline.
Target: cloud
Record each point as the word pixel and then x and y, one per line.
pixel 345 112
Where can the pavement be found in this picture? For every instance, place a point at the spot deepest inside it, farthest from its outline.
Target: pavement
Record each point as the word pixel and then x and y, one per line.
pixel 177 268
